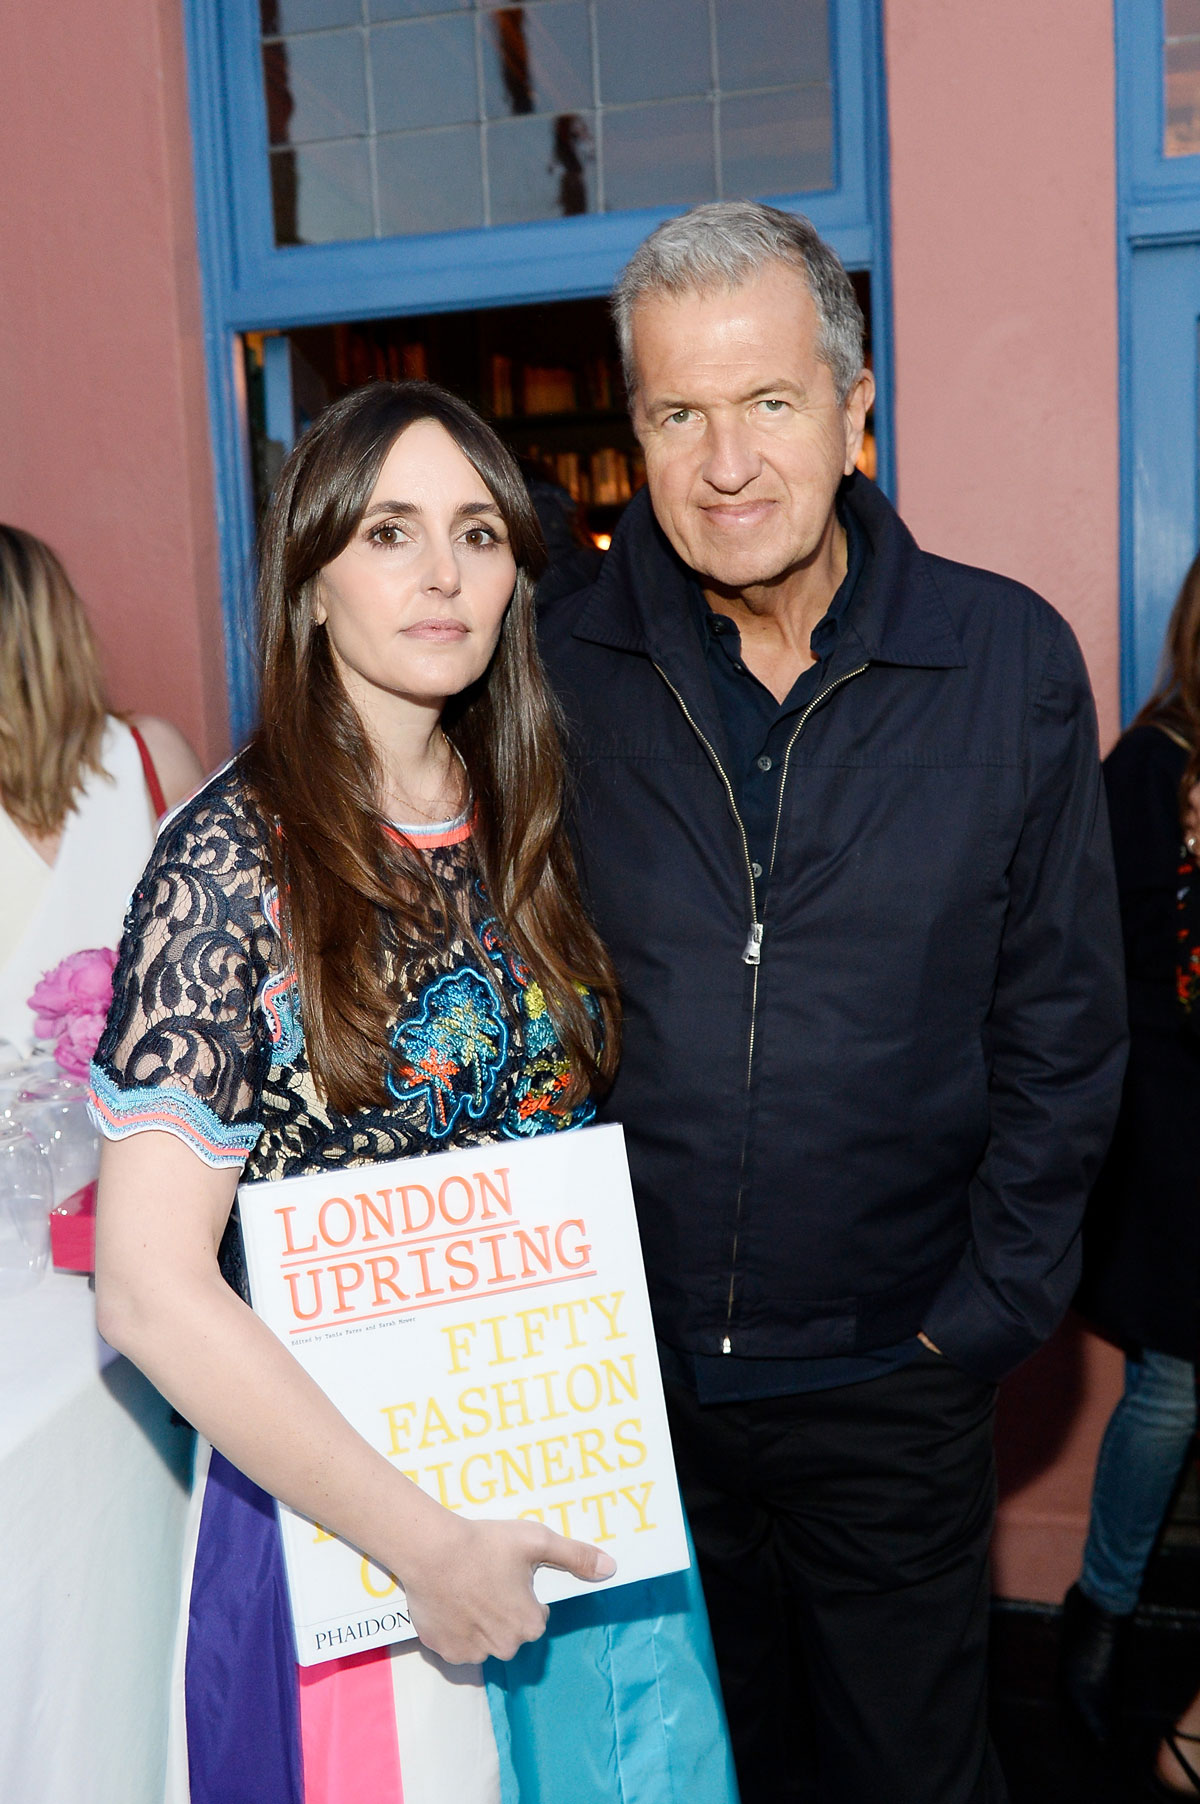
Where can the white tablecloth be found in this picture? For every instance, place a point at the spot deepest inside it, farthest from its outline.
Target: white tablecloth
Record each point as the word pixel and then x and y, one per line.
pixel 93 1489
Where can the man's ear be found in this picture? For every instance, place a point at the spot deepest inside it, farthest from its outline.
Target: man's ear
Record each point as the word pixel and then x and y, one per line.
pixel 858 406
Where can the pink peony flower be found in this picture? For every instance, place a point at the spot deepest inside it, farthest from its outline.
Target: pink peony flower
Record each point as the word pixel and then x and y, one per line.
pixel 75 1048
pixel 70 1004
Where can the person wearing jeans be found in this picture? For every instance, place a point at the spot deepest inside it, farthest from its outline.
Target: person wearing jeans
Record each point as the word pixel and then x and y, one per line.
pixel 1144 1447
pixel 1141 1239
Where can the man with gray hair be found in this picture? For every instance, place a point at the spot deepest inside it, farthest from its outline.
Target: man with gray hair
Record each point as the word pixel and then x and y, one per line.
pixel 838 813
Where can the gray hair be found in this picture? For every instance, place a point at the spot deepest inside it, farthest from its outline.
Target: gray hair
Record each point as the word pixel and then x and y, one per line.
pixel 727 242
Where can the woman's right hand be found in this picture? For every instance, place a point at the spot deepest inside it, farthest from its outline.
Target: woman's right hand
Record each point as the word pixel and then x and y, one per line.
pixel 470 1586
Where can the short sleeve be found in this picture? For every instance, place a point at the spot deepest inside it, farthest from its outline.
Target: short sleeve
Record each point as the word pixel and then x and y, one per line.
pixel 183 1049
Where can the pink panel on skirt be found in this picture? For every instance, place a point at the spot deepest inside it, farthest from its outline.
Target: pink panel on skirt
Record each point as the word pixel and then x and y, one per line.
pixel 348 1731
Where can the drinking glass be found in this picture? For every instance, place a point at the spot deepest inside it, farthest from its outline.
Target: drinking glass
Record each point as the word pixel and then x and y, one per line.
pixel 54 1111
pixel 26 1195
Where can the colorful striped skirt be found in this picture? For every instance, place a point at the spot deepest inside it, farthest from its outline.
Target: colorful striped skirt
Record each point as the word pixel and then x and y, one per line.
pixel 617 1704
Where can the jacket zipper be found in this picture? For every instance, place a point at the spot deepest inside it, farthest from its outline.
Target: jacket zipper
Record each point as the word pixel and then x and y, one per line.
pixel 752 950
pixel 752 954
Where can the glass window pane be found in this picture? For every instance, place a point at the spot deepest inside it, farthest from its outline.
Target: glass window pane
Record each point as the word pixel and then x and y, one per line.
pixel 536 59
pixel 424 73
pixel 778 143
pixel 772 42
pixel 407 9
pixel 658 156
pixel 1183 18
pixel 315 88
pixel 322 193
pixel 653 52
pixel 306 15
pixel 430 181
pixel 1181 137
pixel 541 168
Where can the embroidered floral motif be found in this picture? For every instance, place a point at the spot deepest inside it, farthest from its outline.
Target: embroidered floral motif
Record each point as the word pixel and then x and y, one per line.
pixel 497 948
pixel 544 1073
pixel 452 1050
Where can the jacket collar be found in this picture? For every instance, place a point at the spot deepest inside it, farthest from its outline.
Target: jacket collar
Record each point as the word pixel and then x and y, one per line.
pixel 639 602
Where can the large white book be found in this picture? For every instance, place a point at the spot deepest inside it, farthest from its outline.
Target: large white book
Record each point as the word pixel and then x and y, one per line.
pixel 481 1318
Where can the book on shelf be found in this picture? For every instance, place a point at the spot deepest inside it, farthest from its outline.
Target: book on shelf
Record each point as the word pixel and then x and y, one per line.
pixel 481 1318
pixel 500 398
pixel 610 477
pixel 548 390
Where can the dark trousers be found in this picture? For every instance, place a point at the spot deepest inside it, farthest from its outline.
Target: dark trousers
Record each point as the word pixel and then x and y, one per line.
pixel 842 1539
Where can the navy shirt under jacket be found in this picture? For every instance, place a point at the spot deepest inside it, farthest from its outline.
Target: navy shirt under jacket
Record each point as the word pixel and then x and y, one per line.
pixel 757 731
pixel 757 727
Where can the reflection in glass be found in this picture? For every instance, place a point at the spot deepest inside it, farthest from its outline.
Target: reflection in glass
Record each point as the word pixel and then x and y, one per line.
pixel 424 73
pixel 540 168
pixel 776 143
pixel 430 181
pixel 435 115
pixel 653 52
pixel 536 59
pixel 407 9
pixel 315 87
pixel 306 15
pixel 1181 125
pixel 772 42
pixel 658 155
pixel 321 193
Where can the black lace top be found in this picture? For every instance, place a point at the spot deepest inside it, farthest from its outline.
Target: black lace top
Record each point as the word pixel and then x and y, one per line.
pixel 204 1038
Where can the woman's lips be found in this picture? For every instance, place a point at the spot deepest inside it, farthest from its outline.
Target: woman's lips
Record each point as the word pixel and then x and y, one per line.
pixel 436 632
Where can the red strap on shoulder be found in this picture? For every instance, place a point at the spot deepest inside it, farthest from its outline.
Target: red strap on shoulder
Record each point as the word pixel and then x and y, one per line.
pixel 153 786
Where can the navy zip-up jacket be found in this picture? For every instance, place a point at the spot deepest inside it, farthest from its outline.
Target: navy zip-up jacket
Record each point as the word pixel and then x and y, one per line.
pixel 876 1103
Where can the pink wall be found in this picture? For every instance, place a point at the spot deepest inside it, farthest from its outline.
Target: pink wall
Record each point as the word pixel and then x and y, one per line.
pixel 1004 247
pixel 104 450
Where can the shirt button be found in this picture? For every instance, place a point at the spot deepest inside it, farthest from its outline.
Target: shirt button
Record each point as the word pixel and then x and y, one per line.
pixel 765 762
pixel 756 870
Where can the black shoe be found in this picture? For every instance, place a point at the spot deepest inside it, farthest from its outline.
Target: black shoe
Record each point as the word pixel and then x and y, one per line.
pixel 1089 1661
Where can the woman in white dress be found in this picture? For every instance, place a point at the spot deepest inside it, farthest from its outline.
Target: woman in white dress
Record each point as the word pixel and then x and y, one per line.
pixel 80 788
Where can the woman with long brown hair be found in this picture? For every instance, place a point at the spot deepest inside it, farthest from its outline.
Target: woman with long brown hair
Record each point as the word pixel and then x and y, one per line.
pixel 80 787
pixel 362 940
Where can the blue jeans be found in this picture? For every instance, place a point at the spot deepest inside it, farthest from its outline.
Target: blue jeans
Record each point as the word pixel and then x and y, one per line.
pixel 1144 1447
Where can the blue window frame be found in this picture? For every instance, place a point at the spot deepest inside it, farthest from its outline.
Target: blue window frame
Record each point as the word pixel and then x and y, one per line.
pixel 1159 292
pixel 251 284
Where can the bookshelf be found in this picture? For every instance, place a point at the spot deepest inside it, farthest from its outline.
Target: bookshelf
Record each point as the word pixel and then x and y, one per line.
pixel 548 377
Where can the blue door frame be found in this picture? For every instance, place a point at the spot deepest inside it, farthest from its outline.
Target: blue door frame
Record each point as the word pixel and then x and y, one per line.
pixel 1159 295
pixel 251 285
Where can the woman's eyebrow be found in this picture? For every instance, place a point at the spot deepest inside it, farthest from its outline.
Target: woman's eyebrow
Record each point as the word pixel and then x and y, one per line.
pixel 484 506
pixel 391 507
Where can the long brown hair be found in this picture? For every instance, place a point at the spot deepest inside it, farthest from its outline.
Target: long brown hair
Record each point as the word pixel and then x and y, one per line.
pixel 1174 703
pixel 345 885
pixel 51 696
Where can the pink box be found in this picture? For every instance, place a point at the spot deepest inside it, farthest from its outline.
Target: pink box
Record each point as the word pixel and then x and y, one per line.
pixel 73 1232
